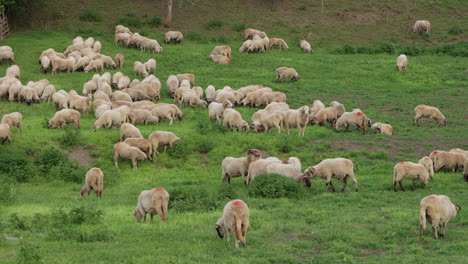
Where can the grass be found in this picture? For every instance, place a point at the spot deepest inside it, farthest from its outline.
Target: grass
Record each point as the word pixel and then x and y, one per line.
pixel 369 226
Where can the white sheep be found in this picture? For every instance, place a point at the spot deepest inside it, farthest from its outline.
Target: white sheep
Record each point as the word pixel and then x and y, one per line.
pixel 402 62
pixel 233 119
pixel 124 82
pixel 425 111
pixel 279 43
pixel 13 71
pixel 65 116
pixel 94 180
pixel 383 128
pixel 154 201
pixel 186 76
pixel 173 35
pixel 161 138
pixel 286 73
pixel 428 164
pixel 358 119
pixel 297 118
pixel 216 110
pixel 167 111
pixel 437 210
pixel 338 168
pixel 235 219
pixel 128 130
pixel 142 144
pixel 235 167
pixel 108 119
pixel 5 133
pixel 422 26
pixel 80 103
pixel 124 150
pixel 414 171
pixel 14 119
pixel 142 116
pixel 305 46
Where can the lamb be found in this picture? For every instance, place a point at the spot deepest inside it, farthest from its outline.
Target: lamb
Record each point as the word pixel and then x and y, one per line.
pixel 190 97
pixel 5 133
pixel 59 64
pixel 385 129
pixel 358 119
pixel 65 116
pixel 220 59
pixel 89 42
pixel 216 110
pixel 119 60
pixel 80 103
pixel 233 119
pixel 429 165
pixel 328 114
pixel 123 150
pixel 186 76
pixel 305 46
pixel 221 50
pixel 161 138
pixel 14 119
pixel 278 42
pixel 154 201
pixel 289 171
pixel 297 118
pixel 402 62
pixel 414 171
pixel 339 107
pixel 422 26
pixel 123 38
pixel 256 46
pixel 437 210
pixel 141 116
pixel 128 130
pixel 234 167
pixel 428 112
pixel 173 35
pixel 97 46
pixel 447 160
pixel 13 71
pixel 108 119
pixel 235 219
pixel 245 45
pixel 7 55
pixel 142 144
pixel 94 181
pixel 168 111
pixel 49 90
pixel 338 168
pixel 286 73
pixel 172 84
pixel 150 65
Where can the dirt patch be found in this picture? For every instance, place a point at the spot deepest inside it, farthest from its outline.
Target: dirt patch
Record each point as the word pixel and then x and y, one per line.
pixel 81 155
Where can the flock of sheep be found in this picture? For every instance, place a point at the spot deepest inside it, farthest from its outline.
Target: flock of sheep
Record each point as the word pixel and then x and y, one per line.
pixel 121 102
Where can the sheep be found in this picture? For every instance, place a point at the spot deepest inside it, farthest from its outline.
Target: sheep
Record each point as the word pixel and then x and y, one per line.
pixel 89 42
pixel 447 160
pixel 235 219
pixel 220 59
pixel 338 168
pixel 123 82
pixel 14 119
pixel 59 100
pixel 123 38
pixel 234 167
pixel 14 90
pixel 150 65
pixel 101 109
pixel 140 69
pixel 459 150
pixel 80 103
pixel 437 210
pixel 65 116
pixel 97 46
pixel 422 26
pixel 39 86
pixel 108 119
pixel 297 118
pixel 28 95
pixel 293 161
pixel 221 50
pixel 120 95
pixel 216 110
pixel 428 112
pixel 172 84
pixel 94 181
pixel 256 46
pixel 383 128
pixel 128 130
pixel 258 167
pixel 173 35
pixel 96 64
pixel 142 144
pixel 123 150
pixel 305 46
pixel 245 45
pixel 136 94
pixel 339 107
pixel 5 133
pixel 107 61
pixel 168 111
pixel 288 171
pixel 186 76
pixel 198 90
pixel 402 62
pixel 278 42
pixel 190 97
pixel 45 64
pixel 414 171
pixel 233 119
pixel 119 60
pixel 7 55
pixel 106 88
pixel 358 119
pixel 77 40
pixel 286 73
pixel 139 116
pixel 13 71
pixel 101 95
pixel 122 29
pixel 277 107
pixel 249 33
pixel 59 64
pixel 233 96
pixel 428 164
pixel 154 201
pixel 328 114
pixel 465 170
pixel 161 138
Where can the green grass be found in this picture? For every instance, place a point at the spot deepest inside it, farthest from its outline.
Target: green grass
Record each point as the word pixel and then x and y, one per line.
pixel 372 225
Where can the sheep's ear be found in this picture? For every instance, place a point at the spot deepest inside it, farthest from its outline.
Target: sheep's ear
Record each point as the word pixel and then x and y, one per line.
pixel 134 213
pixel 458 207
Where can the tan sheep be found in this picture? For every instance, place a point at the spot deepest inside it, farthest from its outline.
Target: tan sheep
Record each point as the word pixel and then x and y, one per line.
pixel 414 171
pixel 358 119
pixel 119 60
pixel 293 161
pixel 402 62
pixel 422 26
pixel 305 46
pixel 136 94
pixel 80 103
pixel 28 95
pixel 221 50
pixel 101 109
pixel 59 100
pixel 289 171
pixel 154 201
pixel 279 43
pixel 448 160
pixel 94 181
pixel 140 69
pixel 425 111
pixel 383 128
pixel 120 95
pixel 245 45
pixel 96 64
pixel 297 118
pixel 437 210
pixel 338 168
pixel 459 150
pixel 7 55
pixel 65 116
pixel 235 219
pixel 186 76
pixel 59 64
pixel 429 165
pixel 123 150
pixel 257 45
pixel 5 133
pixel 122 29
pixel 339 107
pixel 285 73
pixel 108 119
pixel 161 138
pixel 277 107
pixel 266 120
pixel 150 65
pixel 325 115
pixel 216 110
pixel 49 90
pixel 190 98
pixel 167 111
pixel 220 59
pixel 128 130
pixel 233 119
pixel 172 84
pixel 101 95
pixel 255 98
pixel 45 64
pixel 124 82
pixel 273 97
pixel 141 116
pixel 173 35
pixel 14 119
pixel 142 144
pixel 13 71
pixel 258 167
pixel 235 167
pixel 209 92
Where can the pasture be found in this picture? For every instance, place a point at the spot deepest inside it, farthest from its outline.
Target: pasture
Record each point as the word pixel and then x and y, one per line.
pixel 57 225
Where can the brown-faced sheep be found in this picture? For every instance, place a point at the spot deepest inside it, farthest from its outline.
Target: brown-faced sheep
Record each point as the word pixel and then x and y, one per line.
pixel 278 43
pixel 297 118
pixel 338 168
pixel 161 138
pixel 422 26
pixel 216 110
pixel 123 150
pixel 14 119
pixel 235 167
pixel 425 111
pixel 448 160
pixel 233 119
pixel 383 128
pixel 221 50
pixel 325 115
pixel 235 219
pixel 142 144
pixel 305 46
pixel 437 210
pixel 154 201
pixel 63 117
pixel 128 130
pixel 94 181
pixel 414 171
pixel 358 119
pixel 285 73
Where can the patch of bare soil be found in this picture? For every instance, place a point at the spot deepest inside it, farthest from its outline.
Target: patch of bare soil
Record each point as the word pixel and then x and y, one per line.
pixel 81 155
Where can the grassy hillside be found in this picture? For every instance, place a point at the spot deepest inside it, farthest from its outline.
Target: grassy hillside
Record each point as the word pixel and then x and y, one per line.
pixel 56 225
pixel 353 22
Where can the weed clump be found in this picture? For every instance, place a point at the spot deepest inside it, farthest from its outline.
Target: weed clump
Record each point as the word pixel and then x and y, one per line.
pixel 90 15
pixel 214 23
pixel 275 186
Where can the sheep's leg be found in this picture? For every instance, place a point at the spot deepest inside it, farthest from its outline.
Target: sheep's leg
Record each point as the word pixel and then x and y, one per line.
pixel 401 185
pixel 134 164
pixel 345 181
pixel 144 218
pixel 414 185
pixel 435 223
pixel 279 128
pixel 116 158
pixel 416 119
pixel 165 148
pixel 151 217
pixel 244 232
pixel 395 186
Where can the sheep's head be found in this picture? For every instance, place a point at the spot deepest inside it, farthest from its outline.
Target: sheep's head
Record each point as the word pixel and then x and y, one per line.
pixel 138 215
pixel 253 154
pixel 220 228
pixel 305 180
pixel 95 127
pixel 458 207
pixel 309 172
pixel 51 124
pixel 245 126
pixel 369 122
pixel 85 191
pixel 313 121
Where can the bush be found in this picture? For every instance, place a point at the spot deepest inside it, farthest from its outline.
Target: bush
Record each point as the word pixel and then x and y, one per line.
pixel 90 15
pixel 68 171
pixel 276 186
pixel 238 27
pixel 77 216
pixel 131 20
pixel 155 21
pixel 7 191
pixel 364 50
pixel 455 30
pixel 194 36
pixel 412 50
pixel 49 157
pixel 384 47
pixel 16 165
pixel 346 49
pixel 219 39
pixel 214 23
pixel 205 145
pixel 179 150
pixel 192 199
pixel 29 254
pixel 285 145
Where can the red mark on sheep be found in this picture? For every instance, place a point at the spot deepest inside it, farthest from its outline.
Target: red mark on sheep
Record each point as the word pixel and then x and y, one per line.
pixel 359 113
pixel 134 213
pixel 237 202
pixel 158 189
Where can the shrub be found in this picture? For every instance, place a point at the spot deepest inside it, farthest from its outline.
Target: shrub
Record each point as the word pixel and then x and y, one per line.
pixel 131 20
pixel 364 50
pixel 7 191
pixel 90 15
pixel 71 136
pixel 155 21
pixel 302 8
pixel 276 186
pixel 192 199
pixel 219 39
pixel 227 191
pixel 214 23
pixel 68 171
pixel 411 50
pixel 49 157
pixel 194 36
pixel 285 145
pixel 28 253
pixel 455 30
pixel 384 47
pixel 346 49
pixel 16 165
pixel 179 150
pixel 77 216
pixel 205 145
pixel 238 27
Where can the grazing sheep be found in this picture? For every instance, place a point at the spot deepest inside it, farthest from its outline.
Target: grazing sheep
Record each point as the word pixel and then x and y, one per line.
pixel 28 95
pixel 161 138
pixel 358 119
pixel 293 161
pixel 122 96
pixel 459 150
pixel 465 170
pixel 97 64
pixel 173 35
pixel 402 62
pixel 141 116
pixel 101 109
pixel 65 116
pixel 14 119
pixel 273 97
pixel 328 114
pixel 266 120
pixel 154 201
pixel 97 46
pixel 119 60
pixel 422 26
pixel 13 71
pixel 167 111
pixel 122 29
pixel 123 150
pixel 437 210
pixel 142 144
pixel 257 45
pixel 383 128
pixel 45 64
pixel 209 92
pixel 101 95
pixel 190 98
pixel 234 167
pixel 448 160
pixel 414 171
pixel 124 82
pixel 59 64
pixel 245 45
pixel 5 133
pixel 186 76
pixel 108 119
pixel 80 103
pixel 249 33
pixel 216 110
pixel 429 165
pixel 94 181
pixel 221 50
pixel 305 46
pixel 289 171
pixel 277 107
pixel 128 130
pixel 220 59
pixel 233 119
pixel 258 167
pixel 428 112
pixel 339 107
pixel 136 94
pixel 235 219
pixel 172 84
pixel 140 69
pixel 49 90
pixel 233 96
pixel 297 118
pixel 59 100
pixel 123 38
pixel 7 55
pixel 286 73
pixel 278 42
pixel 150 65
pixel 338 168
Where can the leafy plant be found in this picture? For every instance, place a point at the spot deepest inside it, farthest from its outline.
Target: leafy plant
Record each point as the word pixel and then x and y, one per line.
pixel 275 186
pixel 90 15
pixel 214 23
